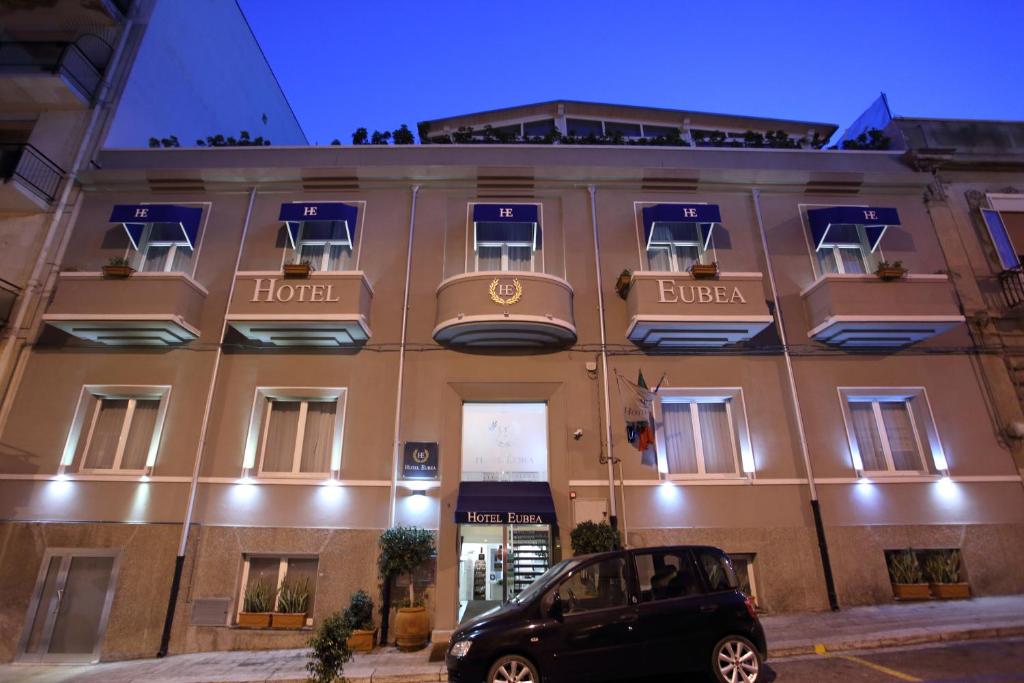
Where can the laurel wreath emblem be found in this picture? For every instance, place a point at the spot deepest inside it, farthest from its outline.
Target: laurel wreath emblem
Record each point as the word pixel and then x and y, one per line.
pixel 493 289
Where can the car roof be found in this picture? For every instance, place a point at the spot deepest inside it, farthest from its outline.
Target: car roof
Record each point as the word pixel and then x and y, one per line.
pixel 651 549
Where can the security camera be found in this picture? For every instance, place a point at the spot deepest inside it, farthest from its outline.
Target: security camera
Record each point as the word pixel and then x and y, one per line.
pixel 578 434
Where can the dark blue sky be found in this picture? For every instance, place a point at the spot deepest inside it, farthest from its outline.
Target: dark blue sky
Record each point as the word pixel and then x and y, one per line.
pixel 345 64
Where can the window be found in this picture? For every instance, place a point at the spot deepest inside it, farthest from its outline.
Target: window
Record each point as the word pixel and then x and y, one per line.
pixel 669 251
pixel 599 585
pixel 295 432
pixel 666 575
pixel 512 250
pixel 743 565
pixel 164 248
pixel 506 237
pixel 885 435
pixel 718 570
pixel 1002 227
pixel 274 572
pixel 326 246
pixel 116 429
pixel 698 436
pixel 846 257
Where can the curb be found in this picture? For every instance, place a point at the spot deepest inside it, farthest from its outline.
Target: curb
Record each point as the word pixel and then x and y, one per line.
pixel 896 639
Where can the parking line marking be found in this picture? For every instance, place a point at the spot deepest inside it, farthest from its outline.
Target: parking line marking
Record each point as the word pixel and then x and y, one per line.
pixel 819 648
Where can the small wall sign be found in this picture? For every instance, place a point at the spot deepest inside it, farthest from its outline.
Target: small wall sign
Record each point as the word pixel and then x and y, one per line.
pixel 419 460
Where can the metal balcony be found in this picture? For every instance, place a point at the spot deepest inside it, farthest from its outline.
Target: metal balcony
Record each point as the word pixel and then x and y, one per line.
pixel 43 75
pixel 1011 283
pixel 29 180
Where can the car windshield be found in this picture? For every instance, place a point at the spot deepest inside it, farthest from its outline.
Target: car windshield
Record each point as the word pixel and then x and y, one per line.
pixel 541 581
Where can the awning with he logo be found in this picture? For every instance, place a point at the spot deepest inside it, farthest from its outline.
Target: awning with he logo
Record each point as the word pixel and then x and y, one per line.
pixel 683 222
pixel 135 218
pixel 837 225
pixel 506 223
pixel 505 502
pixel 319 221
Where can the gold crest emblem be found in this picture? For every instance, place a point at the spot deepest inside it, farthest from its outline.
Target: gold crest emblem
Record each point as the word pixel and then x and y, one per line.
pixel 514 291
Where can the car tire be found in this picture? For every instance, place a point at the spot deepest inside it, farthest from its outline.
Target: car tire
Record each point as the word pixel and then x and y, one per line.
pixel 734 659
pixel 513 669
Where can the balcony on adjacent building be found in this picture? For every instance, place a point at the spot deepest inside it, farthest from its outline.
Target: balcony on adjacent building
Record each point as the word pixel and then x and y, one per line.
pixel 44 16
pixel 330 308
pixel 865 311
pixel 504 309
pixel 29 180
pixel 673 310
pixel 145 309
pixel 51 75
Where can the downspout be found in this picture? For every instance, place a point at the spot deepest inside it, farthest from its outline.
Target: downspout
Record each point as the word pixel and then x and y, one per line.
pixel 819 526
pixel 396 444
pixel 43 261
pixel 179 561
pixel 613 517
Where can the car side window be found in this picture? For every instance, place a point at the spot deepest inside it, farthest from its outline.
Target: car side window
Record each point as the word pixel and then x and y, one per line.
pixel 599 585
pixel 665 575
pixel 718 569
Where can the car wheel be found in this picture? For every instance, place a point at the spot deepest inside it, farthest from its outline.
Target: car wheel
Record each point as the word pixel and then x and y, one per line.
pixel 734 659
pixel 513 669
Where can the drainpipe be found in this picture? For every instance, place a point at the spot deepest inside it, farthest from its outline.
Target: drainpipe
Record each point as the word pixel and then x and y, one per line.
pixel 179 560
pixel 396 452
pixel 819 526
pixel 613 517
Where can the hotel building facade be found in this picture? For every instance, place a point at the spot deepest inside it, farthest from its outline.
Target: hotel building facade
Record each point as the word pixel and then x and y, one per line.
pixel 453 362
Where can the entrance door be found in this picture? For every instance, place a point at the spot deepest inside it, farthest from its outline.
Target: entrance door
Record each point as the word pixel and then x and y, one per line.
pixel 497 562
pixel 70 606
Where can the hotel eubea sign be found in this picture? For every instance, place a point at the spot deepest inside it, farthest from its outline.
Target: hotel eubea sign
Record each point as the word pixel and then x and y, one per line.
pixel 672 292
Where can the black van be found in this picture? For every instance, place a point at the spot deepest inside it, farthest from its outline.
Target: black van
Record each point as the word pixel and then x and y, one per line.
pixel 617 616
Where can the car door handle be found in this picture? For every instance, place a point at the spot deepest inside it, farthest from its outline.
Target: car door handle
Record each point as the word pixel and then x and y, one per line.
pixel 709 608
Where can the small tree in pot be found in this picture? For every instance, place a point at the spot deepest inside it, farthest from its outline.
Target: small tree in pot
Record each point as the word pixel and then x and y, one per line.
pixel 402 551
pixel 359 615
pixel 594 537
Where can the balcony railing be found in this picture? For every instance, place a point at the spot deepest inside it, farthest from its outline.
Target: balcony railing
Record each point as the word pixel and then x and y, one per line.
pixel 1011 282
pixel 80 62
pixel 31 167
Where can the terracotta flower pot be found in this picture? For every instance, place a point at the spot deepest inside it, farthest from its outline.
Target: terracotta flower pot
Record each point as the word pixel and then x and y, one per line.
pixel 412 628
pixel 297 270
pixel 361 640
pixel 911 591
pixel 254 620
pixel 278 620
pixel 704 271
pixel 951 591
pixel 117 271
pixel 891 273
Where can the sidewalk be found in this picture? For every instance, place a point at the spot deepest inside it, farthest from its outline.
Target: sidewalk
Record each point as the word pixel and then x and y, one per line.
pixel 789 634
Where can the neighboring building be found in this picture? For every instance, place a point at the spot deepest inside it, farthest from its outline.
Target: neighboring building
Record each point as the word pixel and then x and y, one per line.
pixel 210 415
pixel 71 71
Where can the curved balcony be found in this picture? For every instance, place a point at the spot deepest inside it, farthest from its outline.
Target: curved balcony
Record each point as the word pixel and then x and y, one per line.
pixel 504 309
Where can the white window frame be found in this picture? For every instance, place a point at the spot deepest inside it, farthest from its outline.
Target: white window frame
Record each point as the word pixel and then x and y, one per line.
pixel 471 239
pixel 282 572
pixel 259 422
pixel 670 247
pixel 704 255
pixel 926 437
pixel 174 245
pixel 736 412
pixel 866 257
pixel 289 255
pixel 86 416
pixel 325 258
pixel 138 256
pixel 505 246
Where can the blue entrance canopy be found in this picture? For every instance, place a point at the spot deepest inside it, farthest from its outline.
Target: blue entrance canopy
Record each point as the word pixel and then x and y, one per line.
pixel 319 220
pixel 686 222
pixel 505 502
pixel 837 225
pixel 135 217
pixel 506 223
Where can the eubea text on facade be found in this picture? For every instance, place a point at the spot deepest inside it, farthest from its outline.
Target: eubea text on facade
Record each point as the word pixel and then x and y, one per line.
pixel 411 335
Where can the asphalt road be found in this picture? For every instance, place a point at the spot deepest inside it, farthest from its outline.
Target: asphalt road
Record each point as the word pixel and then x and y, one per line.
pixel 980 661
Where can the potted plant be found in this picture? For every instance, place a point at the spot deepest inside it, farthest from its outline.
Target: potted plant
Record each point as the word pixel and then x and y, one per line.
pixel 256 605
pixel 623 282
pixel 594 537
pixel 329 650
pixel 118 267
pixel 292 603
pixel 301 269
pixel 907 578
pixel 890 271
pixel 704 271
pixel 359 615
pixel 943 571
pixel 402 551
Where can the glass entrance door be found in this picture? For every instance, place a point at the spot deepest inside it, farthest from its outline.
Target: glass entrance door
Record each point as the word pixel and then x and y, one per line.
pixel 497 562
pixel 69 609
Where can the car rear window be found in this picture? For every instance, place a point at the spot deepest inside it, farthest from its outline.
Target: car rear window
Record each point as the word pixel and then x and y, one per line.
pixel 718 569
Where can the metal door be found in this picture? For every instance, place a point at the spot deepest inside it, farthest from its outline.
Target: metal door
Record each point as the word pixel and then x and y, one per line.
pixel 68 613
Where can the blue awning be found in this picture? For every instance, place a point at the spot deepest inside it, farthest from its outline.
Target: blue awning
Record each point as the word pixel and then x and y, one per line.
pixel 686 222
pixel 505 502
pixel 135 217
pixel 318 219
pixel 837 225
pixel 506 223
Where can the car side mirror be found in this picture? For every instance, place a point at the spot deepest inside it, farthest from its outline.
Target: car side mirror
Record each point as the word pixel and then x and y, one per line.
pixel 556 610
